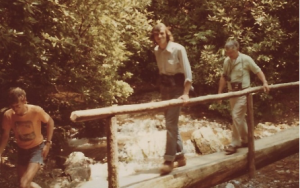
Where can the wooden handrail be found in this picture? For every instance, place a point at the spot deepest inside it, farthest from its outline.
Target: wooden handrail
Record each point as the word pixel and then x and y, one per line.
pixel 98 113
pixel 112 155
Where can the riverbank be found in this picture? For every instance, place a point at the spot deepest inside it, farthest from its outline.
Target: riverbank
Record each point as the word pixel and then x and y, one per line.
pixel 141 139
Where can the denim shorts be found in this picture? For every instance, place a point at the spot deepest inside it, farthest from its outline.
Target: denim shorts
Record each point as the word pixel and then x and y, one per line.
pixel 32 155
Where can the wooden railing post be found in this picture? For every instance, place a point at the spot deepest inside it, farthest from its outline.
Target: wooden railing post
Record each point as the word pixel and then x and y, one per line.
pixel 112 153
pixel 251 149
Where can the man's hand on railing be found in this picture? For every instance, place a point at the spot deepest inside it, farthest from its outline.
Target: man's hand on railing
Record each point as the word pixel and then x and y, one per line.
pixel 266 87
pixel 185 98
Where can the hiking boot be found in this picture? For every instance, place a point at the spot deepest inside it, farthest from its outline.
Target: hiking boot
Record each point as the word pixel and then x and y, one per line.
pixel 167 167
pixel 180 161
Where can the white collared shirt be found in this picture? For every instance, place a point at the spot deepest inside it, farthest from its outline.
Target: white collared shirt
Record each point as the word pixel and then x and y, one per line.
pixel 173 60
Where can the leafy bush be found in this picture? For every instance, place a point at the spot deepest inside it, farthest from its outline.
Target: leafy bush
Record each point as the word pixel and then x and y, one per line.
pixel 67 54
pixel 264 30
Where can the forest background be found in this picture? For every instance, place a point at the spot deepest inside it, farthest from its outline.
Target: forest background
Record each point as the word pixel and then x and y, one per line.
pixel 82 54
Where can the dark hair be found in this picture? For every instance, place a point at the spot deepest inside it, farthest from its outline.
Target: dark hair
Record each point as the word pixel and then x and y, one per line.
pixel 15 95
pixel 156 29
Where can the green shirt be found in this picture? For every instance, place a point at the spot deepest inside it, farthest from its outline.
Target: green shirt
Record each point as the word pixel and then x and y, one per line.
pixel 239 70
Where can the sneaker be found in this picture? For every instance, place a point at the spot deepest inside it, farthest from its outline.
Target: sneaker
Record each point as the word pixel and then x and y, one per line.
pixel 181 161
pixel 167 167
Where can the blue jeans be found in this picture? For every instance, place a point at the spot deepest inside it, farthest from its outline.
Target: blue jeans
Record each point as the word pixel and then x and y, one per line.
pixel 174 146
pixel 32 155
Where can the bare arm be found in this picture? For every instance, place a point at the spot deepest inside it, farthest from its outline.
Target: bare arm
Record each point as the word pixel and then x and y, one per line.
pixel 262 77
pixel 222 84
pixel 4 140
pixel 185 96
pixel 50 129
pixel 5 135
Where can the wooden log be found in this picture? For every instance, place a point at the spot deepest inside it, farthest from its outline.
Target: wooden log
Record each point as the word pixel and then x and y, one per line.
pixel 209 170
pixel 93 114
pixel 251 153
pixel 112 154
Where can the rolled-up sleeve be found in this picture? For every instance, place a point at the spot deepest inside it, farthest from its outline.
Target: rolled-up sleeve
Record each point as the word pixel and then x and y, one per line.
pixel 252 65
pixel 184 61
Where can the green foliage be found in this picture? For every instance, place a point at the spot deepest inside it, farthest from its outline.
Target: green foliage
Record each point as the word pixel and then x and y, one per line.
pixel 67 54
pixel 263 34
pixel 265 30
pixel 80 54
pixel 223 109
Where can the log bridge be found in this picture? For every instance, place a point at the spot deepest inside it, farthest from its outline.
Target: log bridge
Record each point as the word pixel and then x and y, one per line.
pixel 203 171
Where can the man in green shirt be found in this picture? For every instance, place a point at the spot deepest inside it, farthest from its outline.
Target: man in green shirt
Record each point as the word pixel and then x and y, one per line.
pixel 236 72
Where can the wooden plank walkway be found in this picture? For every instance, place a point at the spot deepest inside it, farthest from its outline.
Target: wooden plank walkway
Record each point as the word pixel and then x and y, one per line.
pixel 208 170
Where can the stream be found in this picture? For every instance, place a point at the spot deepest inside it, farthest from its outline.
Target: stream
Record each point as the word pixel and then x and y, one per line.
pixel 141 146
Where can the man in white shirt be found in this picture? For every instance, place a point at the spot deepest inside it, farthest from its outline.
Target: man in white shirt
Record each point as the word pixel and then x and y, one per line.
pixel 175 82
pixel 236 72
